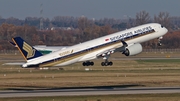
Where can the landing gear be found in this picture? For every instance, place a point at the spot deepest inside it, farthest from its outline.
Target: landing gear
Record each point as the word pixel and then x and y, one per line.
pixel 88 63
pixel 106 63
pixel 159 44
pixel 159 41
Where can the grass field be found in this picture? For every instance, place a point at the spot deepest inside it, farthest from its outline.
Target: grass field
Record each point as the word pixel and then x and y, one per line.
pixel 124 72
pixel 138 97
pixel 150 72
pixel 140 72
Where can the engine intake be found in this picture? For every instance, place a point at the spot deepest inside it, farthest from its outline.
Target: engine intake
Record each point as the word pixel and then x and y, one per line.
pixel 133 49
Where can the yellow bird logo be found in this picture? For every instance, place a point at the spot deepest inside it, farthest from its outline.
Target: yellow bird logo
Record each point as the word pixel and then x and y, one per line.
pixel 30 51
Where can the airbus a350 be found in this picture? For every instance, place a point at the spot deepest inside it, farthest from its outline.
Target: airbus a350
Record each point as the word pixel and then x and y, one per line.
pixel 128 42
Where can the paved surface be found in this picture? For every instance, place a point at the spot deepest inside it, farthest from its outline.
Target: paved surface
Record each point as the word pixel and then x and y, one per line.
pixel 88 91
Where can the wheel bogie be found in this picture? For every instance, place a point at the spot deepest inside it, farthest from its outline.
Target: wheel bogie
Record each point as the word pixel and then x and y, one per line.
pixel 88 63
pixel 106 63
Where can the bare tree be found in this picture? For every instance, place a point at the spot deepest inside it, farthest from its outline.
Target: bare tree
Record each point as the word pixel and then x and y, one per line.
pixel 142 18
pixel 175 22
pixel 84 22
pixel 163 18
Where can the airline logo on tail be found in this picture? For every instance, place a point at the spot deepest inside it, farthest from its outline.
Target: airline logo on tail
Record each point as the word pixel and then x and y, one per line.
pixel 26 50
pixel 30 51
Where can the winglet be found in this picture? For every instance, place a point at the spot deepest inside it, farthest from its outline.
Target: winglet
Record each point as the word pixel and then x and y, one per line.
pixel 27 51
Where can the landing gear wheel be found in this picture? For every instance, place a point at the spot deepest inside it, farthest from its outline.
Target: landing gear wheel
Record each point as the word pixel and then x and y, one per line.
pixel 159 44
pixel 102 64
pixel 88 63
pixel 110 63
pixel 84 64
pixel 106 63
pixel 92 63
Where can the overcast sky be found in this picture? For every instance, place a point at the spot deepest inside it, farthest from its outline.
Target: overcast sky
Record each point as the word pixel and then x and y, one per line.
pixel 90 8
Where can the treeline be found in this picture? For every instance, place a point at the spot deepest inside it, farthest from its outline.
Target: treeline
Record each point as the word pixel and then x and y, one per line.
pixel 82 29
pixel 50 37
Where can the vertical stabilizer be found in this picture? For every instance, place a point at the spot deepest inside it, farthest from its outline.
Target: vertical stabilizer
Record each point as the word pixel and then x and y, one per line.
pixel 26 50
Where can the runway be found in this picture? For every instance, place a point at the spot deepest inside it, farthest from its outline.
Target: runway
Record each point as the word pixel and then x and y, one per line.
pixel 88 91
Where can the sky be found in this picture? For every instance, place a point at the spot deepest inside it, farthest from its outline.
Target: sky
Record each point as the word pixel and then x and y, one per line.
pixel 90 8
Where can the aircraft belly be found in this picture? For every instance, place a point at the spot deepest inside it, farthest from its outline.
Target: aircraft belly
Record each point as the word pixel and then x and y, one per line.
pixel 69 62
pixel 89 56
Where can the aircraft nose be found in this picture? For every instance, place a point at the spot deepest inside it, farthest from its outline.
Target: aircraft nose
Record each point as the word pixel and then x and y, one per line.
pixel 166 30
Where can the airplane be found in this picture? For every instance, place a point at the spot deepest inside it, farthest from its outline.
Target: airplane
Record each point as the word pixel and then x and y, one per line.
pixel 128 42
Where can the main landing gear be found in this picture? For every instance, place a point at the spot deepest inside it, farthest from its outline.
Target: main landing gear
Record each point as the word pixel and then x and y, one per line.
pixel 88 63
pixel 106 63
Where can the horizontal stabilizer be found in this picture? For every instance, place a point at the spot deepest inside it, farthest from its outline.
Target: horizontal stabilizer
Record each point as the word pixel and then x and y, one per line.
pixel 12 43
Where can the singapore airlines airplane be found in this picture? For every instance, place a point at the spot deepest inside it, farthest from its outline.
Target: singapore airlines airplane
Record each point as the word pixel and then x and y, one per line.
pixel 128 42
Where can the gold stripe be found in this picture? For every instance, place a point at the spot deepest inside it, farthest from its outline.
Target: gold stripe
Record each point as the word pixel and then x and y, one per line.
pixel 62 60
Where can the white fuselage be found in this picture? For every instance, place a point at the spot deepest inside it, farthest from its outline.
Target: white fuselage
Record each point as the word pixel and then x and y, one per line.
pixel 90 49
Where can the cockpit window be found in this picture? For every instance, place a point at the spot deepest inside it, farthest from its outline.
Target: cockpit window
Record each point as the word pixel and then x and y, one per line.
pixel 162 26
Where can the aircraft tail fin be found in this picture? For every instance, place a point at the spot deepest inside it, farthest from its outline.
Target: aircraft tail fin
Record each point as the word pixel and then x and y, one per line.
pixel 26 50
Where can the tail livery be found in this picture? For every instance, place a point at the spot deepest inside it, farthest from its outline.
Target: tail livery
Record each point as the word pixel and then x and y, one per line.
pixel 26 50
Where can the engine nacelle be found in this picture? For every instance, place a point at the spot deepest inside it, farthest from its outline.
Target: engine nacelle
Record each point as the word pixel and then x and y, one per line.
pixel 133 49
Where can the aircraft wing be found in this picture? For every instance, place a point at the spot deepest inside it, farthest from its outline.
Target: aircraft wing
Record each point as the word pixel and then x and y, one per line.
pixel 113 50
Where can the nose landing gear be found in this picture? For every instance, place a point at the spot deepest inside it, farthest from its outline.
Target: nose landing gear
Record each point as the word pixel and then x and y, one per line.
pixel 159 41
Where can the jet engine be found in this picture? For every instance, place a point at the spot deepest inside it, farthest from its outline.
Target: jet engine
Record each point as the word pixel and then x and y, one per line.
pixel 133 49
